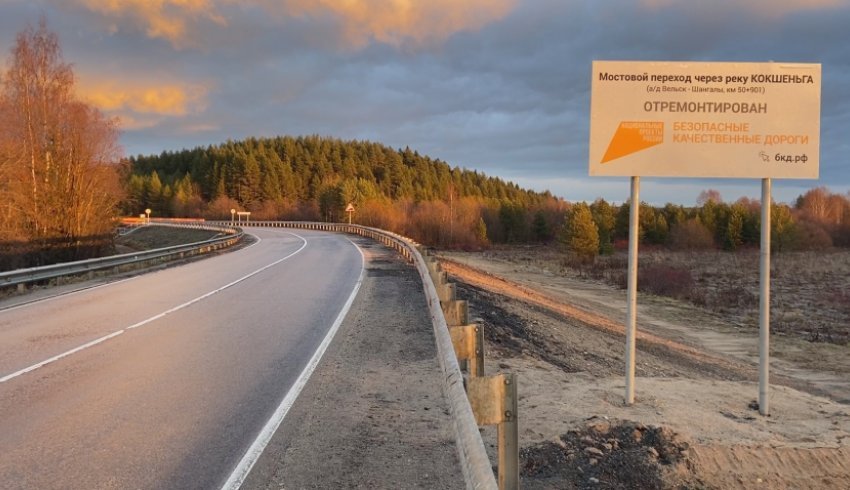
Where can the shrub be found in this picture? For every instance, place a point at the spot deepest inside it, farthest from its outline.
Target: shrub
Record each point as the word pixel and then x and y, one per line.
pixel 811 236
pixel 665 280
pixel 691 235
pixel 734 296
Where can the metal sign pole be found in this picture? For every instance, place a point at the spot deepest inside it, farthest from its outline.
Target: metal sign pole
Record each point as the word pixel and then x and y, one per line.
pixel 764 299
pixel 631 317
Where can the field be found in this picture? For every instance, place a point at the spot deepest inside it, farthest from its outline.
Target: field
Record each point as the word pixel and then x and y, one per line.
pixel 695 423
pixel 810 291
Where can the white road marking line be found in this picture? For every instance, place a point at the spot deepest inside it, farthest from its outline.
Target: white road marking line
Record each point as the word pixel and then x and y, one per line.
pixel 98 286
pixel 144 322
pixel 240 473
pixel 60 356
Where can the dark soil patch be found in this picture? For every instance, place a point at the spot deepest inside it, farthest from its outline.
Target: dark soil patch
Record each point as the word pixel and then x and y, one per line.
pixel 574 347
pixel 608 455
pixel 511 333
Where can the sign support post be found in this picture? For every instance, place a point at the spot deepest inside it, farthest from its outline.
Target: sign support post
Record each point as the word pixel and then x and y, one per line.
pixel 631 318
pixel 764 299
pixel 350 210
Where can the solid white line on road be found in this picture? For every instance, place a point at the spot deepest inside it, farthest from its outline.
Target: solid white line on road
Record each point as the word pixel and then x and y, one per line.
pixel 240 473
pixel 149 320
pixel 60 356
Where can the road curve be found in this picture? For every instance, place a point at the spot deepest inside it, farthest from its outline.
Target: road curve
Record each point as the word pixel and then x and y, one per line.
pixel 165 380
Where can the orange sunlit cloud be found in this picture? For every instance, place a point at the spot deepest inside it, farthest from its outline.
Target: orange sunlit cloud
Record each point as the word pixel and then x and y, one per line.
pixel 360 21
pixel 394 22
pixel 763 8
pixel 166 19
pixel 156 99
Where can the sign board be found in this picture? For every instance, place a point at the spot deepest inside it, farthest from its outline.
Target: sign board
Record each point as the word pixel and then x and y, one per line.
pixel 349 208
pixel 736 120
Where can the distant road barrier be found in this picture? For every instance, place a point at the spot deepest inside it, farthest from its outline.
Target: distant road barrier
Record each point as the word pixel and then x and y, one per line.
pixel 491 400
pixel 21 277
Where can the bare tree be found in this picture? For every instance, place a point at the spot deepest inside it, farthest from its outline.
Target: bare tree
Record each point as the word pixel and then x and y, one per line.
pixel 815 204
pixel 709 195
pixel 56 153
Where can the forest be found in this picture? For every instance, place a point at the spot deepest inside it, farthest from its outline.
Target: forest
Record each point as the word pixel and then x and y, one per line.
pixel 315 178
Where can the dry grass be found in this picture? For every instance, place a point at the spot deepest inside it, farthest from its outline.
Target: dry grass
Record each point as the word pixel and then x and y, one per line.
pixel 810 291
pixel 150 237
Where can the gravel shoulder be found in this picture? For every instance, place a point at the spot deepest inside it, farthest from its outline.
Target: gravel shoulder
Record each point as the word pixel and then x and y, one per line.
pixel 694 424
pixel 372 415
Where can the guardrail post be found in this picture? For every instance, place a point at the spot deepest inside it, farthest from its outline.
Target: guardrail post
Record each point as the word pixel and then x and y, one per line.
pixel 494 402
pixel 442 277
pixel 446 291
pixel 456 312
pixel 434 269
pixel 468 342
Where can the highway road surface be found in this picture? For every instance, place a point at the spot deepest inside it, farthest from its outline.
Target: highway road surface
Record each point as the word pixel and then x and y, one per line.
pixel 167 379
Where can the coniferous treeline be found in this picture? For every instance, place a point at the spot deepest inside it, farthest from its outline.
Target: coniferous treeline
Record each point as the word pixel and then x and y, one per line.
pixel 315 178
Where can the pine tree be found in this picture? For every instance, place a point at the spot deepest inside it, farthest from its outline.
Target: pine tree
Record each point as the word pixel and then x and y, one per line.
pixel 581 238
pixel 603 216
pixel 153 192
pixel 782 227
pixel 481 232
pixel 540 227
pixel 734 235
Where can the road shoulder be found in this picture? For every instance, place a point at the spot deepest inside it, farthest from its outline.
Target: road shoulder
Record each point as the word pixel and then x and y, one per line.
pixel 373 413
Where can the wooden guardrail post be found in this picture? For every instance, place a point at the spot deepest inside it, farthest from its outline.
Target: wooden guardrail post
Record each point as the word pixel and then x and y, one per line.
pixel 468 342
pixel 456 312
pixel 434 269
pixel 494 402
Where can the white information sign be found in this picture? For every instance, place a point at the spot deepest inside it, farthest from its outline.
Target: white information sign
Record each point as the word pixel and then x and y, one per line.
pixel 737 120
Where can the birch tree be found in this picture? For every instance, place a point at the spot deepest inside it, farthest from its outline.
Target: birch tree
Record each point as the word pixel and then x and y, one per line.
pixel 57 153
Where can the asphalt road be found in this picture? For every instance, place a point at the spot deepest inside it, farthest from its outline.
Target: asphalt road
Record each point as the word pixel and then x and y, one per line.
pixel 179 369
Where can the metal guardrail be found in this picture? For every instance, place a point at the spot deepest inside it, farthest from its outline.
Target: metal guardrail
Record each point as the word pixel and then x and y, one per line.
pixel 475 464
pixel 21 277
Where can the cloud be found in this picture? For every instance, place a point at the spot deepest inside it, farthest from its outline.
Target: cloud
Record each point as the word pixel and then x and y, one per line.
pixel 771 9
pixel 166 19
pixel 501 86
pixel 169 99
pixel 400 22
pixel 353 23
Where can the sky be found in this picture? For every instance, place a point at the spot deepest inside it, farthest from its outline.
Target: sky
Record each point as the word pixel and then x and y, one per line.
pixel 499 86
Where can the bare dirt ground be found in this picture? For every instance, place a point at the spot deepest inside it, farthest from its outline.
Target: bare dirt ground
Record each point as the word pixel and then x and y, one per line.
pixel 695 423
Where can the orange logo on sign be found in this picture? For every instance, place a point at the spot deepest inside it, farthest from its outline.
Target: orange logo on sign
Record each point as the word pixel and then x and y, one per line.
pixel 632 137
